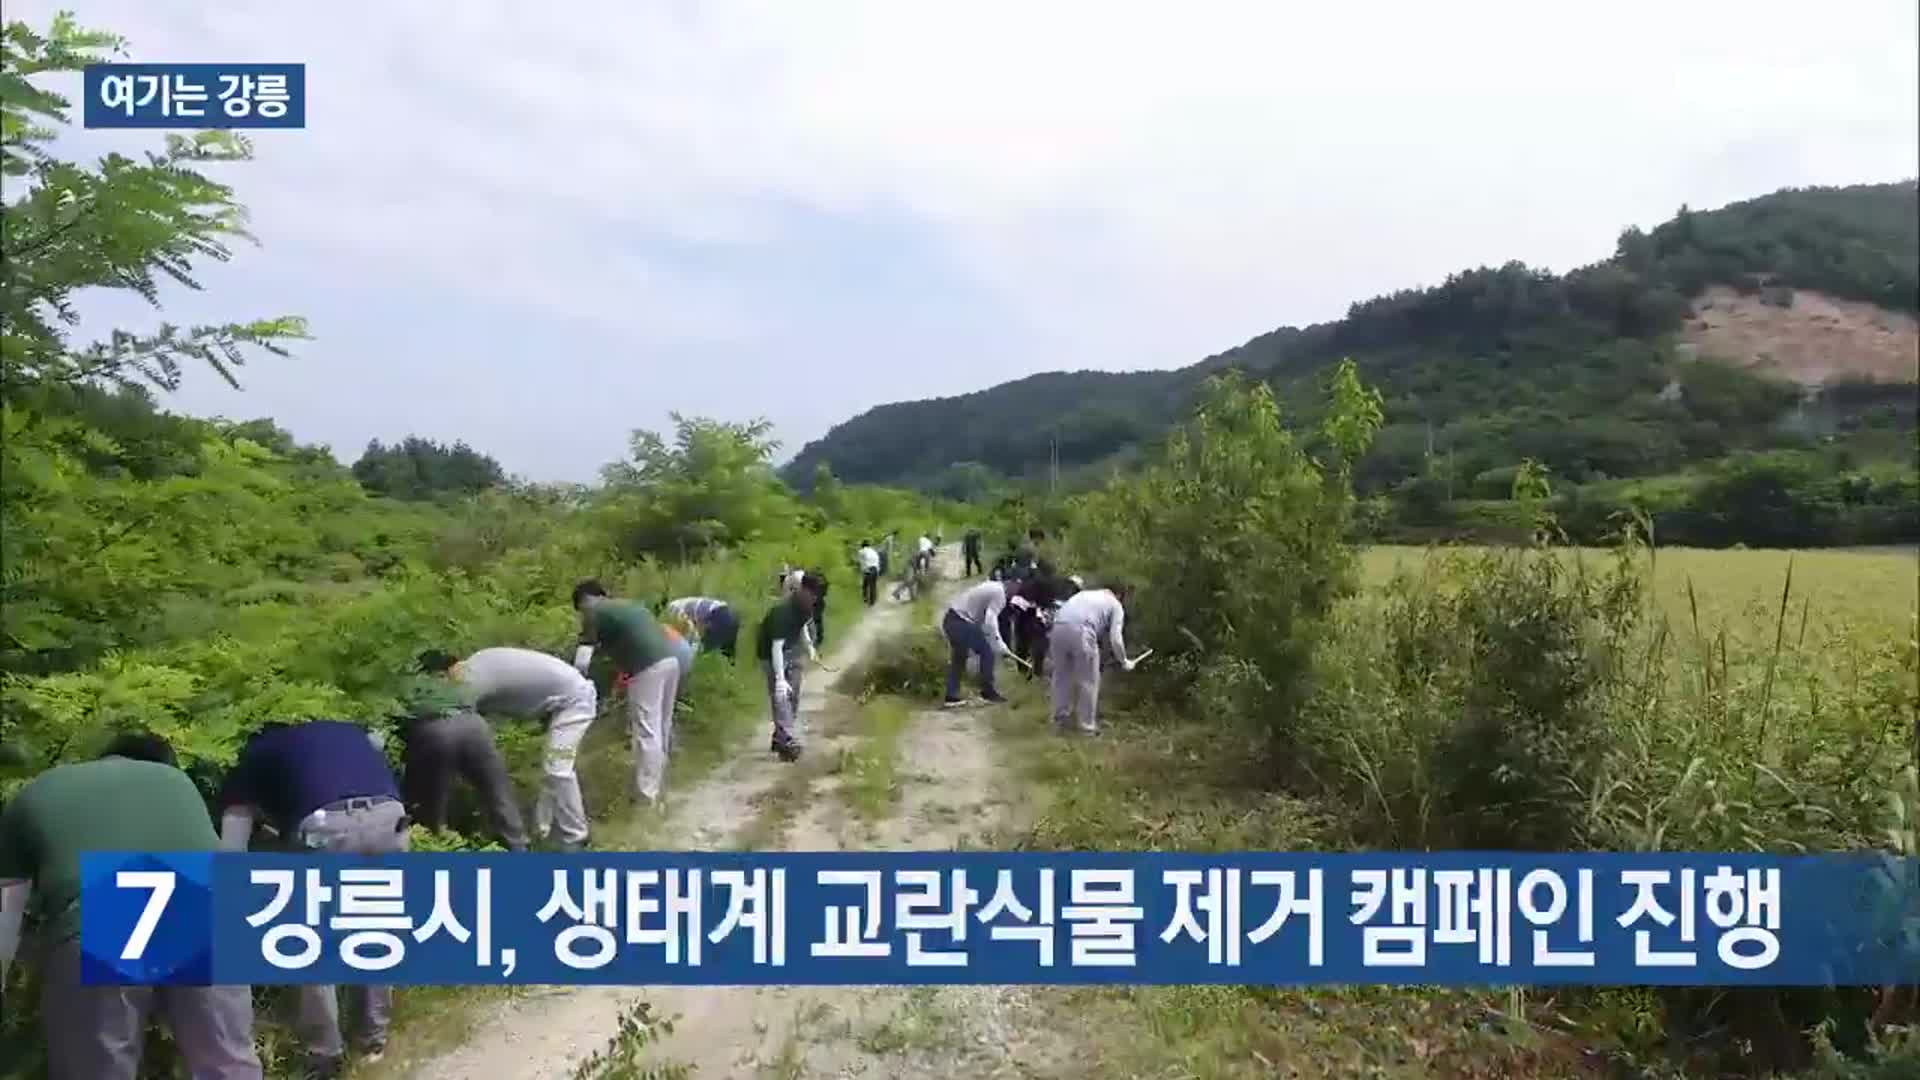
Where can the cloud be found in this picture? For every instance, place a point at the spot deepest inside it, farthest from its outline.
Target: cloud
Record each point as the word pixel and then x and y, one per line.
pixel 802 210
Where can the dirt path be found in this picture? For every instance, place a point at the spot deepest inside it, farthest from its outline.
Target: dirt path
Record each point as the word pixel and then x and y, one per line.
pixel 947 769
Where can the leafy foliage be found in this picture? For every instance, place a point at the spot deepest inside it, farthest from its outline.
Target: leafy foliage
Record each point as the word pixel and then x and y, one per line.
pixel 1235 500
pixel 623 1058
pixel 120 224
pixel 713 486
pixel 1780 498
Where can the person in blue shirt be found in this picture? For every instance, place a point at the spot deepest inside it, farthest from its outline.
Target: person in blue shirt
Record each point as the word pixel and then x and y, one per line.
pixel 324 786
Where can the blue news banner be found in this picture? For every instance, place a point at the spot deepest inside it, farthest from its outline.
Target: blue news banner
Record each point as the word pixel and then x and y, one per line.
pixel 194 96
pixel 1452 918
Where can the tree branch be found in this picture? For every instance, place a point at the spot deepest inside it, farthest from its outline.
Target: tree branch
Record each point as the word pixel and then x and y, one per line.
pixel 19 252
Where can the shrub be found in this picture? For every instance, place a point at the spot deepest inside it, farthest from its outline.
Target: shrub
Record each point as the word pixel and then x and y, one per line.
pixel 1463 707
pixel 1236 535
pixel 1525 699
pixel 911 665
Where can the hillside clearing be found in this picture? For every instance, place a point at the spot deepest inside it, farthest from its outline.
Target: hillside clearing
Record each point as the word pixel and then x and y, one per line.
pixel 1813 338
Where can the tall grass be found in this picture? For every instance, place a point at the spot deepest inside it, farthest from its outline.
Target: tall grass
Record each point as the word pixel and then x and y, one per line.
pixel 1635 733
pixel 1521 699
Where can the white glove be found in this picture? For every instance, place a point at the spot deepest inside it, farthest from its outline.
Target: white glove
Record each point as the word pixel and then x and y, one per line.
pixel 13 907
pixel 1126 665
pixel 236 828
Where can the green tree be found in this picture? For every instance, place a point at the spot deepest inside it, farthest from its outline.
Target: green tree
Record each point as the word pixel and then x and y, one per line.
pixel 417 468
pixel 1237 535
pixel 1353 416
pixel 1768 500
pixel 712 487
pixel 828 493
pixel 120 224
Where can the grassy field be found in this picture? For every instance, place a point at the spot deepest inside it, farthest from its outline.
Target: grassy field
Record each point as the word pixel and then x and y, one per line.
pixel 1866 591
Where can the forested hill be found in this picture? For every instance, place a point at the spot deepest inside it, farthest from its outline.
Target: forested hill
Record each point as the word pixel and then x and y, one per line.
pixel 1583 371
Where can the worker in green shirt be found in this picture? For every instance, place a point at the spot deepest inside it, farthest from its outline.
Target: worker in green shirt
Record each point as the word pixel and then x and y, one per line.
pixel 782 638
pixel 649 675
pixel 446 737
pixel 133 798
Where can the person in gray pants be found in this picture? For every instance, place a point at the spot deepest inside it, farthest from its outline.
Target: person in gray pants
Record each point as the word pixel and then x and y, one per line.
pixel 134 798
pixel 326 787
pixel 778 646
pixel 445 738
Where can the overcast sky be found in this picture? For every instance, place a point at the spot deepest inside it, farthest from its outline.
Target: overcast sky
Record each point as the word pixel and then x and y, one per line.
pixel 535 226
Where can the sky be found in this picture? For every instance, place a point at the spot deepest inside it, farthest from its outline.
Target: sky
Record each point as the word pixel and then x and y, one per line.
pixel 537 227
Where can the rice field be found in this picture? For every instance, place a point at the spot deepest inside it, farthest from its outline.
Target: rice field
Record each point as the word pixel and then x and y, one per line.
pixel 1866 592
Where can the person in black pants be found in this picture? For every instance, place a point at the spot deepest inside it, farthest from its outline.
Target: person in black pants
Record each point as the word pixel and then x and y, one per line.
pixel 970 548
pixel 868 559
pixel 1033 603
pixel 820 614
pixel 445 738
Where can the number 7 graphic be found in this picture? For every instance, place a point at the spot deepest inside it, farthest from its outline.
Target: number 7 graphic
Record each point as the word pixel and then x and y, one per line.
pixel 161 882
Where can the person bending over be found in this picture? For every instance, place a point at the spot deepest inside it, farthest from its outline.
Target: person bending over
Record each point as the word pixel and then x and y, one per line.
pixel 324 786
pixel 133 798
pixel 648 674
